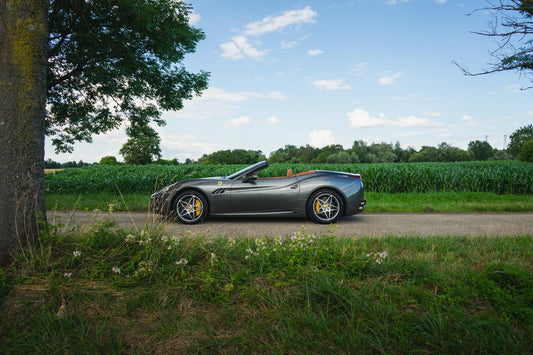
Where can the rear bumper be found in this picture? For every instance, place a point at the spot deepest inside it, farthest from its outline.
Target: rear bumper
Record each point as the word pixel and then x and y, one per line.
pixel 361 206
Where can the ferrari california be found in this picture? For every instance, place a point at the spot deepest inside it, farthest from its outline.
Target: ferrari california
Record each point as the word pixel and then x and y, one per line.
pixel 323 196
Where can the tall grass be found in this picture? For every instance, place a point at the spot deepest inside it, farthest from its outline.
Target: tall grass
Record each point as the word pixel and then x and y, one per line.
pixel 501 177
pixel 116 291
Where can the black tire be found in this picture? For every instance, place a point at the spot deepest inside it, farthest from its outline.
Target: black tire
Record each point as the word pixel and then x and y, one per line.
pixel 190 207
pixel 325 206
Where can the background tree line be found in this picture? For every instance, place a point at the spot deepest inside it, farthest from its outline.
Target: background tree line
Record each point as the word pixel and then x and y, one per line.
pixel 520 147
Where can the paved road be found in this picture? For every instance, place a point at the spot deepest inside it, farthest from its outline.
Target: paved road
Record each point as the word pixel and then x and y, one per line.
pixel 366 224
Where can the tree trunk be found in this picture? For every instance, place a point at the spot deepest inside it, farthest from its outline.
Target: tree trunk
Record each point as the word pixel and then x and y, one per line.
pixel 23 43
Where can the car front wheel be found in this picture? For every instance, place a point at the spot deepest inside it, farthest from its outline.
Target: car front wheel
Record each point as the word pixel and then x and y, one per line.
pixel 325 206
pixel 191 207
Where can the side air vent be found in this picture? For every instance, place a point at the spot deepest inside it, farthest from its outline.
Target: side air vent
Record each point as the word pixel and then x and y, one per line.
pixel 219 191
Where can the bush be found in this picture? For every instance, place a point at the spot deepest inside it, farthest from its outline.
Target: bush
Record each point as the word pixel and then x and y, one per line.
pixel 108 160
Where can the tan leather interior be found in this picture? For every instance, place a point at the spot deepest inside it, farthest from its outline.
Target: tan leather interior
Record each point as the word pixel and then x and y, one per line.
pixel 306 173
pixel 290 174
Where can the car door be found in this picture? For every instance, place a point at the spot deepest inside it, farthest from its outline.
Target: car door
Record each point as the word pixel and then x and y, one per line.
pixel 264 195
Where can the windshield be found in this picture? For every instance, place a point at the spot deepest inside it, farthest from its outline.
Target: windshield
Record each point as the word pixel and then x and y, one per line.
pixel 249 169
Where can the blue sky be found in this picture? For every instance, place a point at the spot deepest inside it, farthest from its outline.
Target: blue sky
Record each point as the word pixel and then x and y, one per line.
pixel 331 72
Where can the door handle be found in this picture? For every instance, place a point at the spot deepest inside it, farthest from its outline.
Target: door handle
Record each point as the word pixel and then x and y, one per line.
pixel 294 187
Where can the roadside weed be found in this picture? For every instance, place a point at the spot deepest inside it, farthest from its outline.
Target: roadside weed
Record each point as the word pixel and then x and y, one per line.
pixel 110 290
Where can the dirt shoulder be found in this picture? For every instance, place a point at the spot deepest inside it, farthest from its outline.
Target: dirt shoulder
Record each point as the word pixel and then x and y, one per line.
pixel 374 224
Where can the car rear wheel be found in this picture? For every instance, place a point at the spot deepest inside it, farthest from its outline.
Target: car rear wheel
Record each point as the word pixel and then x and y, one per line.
pixel 191 207
pixel 325 206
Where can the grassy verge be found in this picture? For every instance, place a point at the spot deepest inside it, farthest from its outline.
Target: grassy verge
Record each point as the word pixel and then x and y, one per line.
pixel 377 202
pixel 111 291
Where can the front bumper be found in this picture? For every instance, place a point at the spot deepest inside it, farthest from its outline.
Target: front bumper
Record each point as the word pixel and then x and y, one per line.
pixel 159 204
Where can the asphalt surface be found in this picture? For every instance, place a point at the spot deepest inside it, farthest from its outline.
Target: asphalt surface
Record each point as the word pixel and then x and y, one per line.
pixel 365 224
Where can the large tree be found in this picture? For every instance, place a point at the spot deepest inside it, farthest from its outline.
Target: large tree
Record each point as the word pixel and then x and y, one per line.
pixel 142 147
pixel 101 63
pixel 23 38
pixel 482 150
pixel 512 27
pixel 111 61
pixel 518 138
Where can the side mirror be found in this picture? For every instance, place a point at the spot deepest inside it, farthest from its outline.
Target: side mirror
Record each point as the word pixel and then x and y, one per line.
pixel 250 178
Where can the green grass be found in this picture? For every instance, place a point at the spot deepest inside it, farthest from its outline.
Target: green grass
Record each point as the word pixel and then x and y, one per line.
pixel 108 290
pixel 377 202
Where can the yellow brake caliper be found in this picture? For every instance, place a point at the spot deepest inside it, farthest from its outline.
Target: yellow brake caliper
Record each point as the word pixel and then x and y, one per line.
pixel 198 207
pixel 317 207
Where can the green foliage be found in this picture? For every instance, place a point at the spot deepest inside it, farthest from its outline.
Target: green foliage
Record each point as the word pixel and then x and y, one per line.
pixel 444 153
pixel 111 61
pixel 108 160
pixel 512 28
pixel 376 153
pixel 236 156
pixel 5 285
pixel 142 147
pixel 518 139
pixel 526 153
pixel 482 150
pixel 500 177
pixel 300 293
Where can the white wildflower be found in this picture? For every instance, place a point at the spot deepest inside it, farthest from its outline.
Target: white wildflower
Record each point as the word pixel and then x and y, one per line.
pixel 76 253
pixel 67 275
pixel 116 270
pixel 182 261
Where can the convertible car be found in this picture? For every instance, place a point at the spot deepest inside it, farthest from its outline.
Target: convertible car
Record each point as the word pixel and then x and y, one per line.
pixel 323 196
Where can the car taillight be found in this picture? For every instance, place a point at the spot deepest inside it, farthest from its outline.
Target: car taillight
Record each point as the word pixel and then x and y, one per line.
pixel 356 176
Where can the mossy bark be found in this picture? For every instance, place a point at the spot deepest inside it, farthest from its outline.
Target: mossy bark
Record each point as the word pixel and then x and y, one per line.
pixel 23 43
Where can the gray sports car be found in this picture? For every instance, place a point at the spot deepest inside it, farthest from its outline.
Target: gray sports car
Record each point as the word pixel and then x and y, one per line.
pixel 324 196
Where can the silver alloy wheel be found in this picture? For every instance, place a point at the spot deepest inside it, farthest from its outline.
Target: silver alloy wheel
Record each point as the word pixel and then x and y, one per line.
pixel 326 207
pixel 189 208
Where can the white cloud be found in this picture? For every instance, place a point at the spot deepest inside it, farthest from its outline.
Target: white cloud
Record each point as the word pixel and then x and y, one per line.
pixel 413 121
pixel 513 88
pixel 182 146
pixel 230 50
pixel 239 47
pixel 275 95
pixel 390 79
pixel 398 98
pixel 360 118
pixel 467 118
pixel 276 23
pixel 194 18
pixel 433 114
pixel 331 85
pixel 286 45
pixel 314 52
pixel 394 2
pixel 272 121
pixel 441 1
pixel 237 122
pixel 216 102
pixel 321 138
pixel 358 69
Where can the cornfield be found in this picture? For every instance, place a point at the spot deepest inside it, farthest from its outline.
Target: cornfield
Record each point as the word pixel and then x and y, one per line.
pixel 500 177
